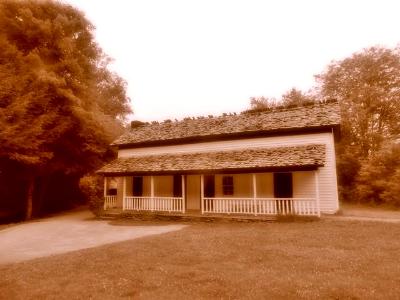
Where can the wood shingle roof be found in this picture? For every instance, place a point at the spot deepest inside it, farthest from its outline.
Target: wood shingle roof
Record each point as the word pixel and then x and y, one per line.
pixel 315 116
pixel 258 159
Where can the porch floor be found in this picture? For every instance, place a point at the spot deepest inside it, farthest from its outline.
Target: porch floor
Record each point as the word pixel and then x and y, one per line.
pixel 188 216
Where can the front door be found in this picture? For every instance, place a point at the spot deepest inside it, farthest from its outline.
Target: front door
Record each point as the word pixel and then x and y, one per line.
pixel 209 186
pixel 137 186
pixel 283 185
pixel 283 188
pixel 177 186
pixel 209 190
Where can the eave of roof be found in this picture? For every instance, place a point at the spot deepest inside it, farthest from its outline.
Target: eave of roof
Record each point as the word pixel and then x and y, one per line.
pixel 294 120
pixel 305 157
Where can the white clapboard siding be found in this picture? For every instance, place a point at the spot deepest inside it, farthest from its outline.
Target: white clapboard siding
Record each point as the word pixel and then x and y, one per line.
pixel 163 186
pixel 327 174
pixel 304 184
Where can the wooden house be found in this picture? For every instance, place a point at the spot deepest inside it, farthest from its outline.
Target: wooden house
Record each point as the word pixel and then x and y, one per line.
pixel 259 163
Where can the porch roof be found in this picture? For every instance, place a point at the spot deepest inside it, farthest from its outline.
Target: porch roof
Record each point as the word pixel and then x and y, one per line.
pixel 251 160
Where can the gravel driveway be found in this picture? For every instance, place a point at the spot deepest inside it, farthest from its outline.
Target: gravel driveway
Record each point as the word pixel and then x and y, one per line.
pixel 65 233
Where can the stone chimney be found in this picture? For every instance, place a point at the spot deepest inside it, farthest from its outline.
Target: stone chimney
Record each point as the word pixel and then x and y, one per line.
pixel 136 124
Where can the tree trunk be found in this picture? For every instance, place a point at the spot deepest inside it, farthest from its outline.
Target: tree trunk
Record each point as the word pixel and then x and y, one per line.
pixel 44 180
pixel 29 198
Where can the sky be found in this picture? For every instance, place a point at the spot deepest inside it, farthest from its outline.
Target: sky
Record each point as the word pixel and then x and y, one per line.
pixel 198 57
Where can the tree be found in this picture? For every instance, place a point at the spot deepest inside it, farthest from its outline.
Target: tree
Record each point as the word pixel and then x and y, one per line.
pixel 292 98
pixel 367 86
pixel 59 105
pixel 262 103
pixel 295 97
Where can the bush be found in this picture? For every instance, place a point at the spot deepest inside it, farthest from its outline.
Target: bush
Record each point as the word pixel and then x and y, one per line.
pixel 348 167
pixel 391 195
pixel 92 188
pixel 379 177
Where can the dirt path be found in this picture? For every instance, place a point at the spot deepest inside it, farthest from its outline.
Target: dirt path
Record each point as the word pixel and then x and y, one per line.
pixel 67 233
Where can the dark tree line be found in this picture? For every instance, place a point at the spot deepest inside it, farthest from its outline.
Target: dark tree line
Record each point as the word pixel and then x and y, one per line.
pixel 59 105
pixel 367 87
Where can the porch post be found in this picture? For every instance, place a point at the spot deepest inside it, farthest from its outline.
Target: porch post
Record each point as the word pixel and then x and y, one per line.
pixel 202 193
pixel 105 186
pixel 183 194
pixel 317 192
pixel 152 192
pixel 105 193
pixel 124 193
pixel 254 193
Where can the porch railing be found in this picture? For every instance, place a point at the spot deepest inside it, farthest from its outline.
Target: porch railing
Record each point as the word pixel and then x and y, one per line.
pixel 110 202
pixel 262 206
pixel 169 204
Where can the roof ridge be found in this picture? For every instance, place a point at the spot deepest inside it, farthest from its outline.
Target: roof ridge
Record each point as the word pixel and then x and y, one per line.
pixel 283 108
pixel 238 114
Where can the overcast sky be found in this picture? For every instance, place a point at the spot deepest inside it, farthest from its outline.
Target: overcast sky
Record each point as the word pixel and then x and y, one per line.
pixel 189 58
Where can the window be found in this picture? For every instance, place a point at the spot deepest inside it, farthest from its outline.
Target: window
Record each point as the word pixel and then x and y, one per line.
pixel 137 189
pixel 177 186
pixel 112 192
pixel 112 186
pixel 283 185
pixel 227 185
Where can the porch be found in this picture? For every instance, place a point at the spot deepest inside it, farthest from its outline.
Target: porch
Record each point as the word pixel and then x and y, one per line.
pixel 251 194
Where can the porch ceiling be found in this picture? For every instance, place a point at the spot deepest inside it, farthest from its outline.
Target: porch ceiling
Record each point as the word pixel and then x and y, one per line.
pixel 251 160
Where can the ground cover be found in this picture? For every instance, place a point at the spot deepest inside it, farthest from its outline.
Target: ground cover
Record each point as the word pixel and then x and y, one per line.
pixel 306 260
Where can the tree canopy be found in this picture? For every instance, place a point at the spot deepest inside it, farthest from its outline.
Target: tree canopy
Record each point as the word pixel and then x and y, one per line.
pixel 295 97
pixel 367 86
pixel 59 104
pixel 292 98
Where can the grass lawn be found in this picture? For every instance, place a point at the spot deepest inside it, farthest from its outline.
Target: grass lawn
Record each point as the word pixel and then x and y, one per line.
pixel 364 210
pixel 303 260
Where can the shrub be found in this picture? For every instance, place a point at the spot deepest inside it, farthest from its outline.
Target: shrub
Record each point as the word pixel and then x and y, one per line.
pixel 391 195
pixel 348 167
pixel 379 177
pixel 92 188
